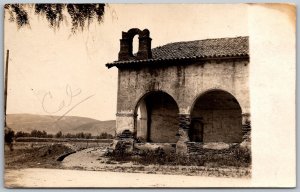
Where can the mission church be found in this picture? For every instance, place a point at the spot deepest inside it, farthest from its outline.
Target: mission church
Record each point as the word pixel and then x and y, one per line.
pixel 182 94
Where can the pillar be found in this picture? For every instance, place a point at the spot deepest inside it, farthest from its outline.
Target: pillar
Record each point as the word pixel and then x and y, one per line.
pixel 246 127
pixel 183 134
pixel 125 123
pixel 144 48
pixel 125 130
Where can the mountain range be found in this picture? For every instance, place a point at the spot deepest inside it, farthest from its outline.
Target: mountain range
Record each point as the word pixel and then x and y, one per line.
pixel 54 124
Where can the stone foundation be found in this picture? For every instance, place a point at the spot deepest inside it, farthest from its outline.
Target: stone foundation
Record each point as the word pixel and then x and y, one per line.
pixel 167 147
pixel 183 146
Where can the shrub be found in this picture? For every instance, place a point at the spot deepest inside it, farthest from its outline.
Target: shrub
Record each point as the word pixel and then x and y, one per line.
pixel 37 133
pixel 104 136
pixel 22 134
pixel 234 156
pixel 58 134
pixel 9 135
pixel 119 153
pixel 87 135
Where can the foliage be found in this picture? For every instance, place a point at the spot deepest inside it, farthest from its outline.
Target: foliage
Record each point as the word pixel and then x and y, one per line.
pixel 8 135
pixel 119 153
pixel 81 14
pixel 234 156
pixel 37 133
pixel 22 134
pixel 81 135
pixel 104 136
pixel 33 133
pixel 58 134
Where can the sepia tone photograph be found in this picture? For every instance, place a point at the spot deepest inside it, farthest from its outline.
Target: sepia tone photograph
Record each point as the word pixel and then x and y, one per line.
pixel 149 95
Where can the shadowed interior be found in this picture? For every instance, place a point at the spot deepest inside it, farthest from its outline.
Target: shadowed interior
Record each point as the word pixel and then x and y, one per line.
pixel 216 117
pixel 157 119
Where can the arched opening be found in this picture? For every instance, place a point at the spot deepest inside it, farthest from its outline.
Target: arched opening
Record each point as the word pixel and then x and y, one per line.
pixel 157 118
pixel 216 117
pixel 135 44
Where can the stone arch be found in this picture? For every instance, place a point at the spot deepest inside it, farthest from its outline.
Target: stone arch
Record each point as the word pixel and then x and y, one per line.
pixel 130 36
pixel 156 118
pixel 211 90
pixel 216 116
pixel 144 93
pixel 144 47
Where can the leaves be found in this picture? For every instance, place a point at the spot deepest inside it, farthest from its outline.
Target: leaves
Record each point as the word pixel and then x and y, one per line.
pixel 17 14
pixel 53 13
pixel 81 14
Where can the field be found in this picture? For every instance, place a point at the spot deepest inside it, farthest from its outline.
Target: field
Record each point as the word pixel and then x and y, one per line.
pixel 89 155
pixel 46 154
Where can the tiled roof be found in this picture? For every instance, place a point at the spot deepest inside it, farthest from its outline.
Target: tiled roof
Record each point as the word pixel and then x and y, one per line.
pixel 203 48
pixel 207 48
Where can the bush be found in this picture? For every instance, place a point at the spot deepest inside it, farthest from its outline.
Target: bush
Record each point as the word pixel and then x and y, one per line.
pixel 104 136
pixel 120 153
pixel 8 135
pixel 58 134
pixel 234 156
pixel 37 133
pixel 34 133
pixel 158 156
pixel 22 134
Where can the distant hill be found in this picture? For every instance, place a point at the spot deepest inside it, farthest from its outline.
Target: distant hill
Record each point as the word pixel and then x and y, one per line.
pixel 67 124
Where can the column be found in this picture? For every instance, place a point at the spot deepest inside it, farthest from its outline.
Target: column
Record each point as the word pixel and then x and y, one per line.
pixel 125 131
pixel 183 134
pixel 246 127
pixel 125 125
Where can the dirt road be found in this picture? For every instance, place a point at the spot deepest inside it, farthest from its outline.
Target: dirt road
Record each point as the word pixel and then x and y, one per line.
pixel 40 177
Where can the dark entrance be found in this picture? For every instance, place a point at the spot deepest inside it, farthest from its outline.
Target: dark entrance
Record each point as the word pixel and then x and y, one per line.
pixel 157 118
pixel 216 117
pixel 196 132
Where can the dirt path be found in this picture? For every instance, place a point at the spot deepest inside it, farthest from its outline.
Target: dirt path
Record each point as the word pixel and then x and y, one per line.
pixel 86 159
pixel 40 177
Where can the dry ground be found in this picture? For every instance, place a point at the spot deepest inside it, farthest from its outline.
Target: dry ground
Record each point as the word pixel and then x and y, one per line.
pixel 91 158
pixel 94 159
pixel 45 178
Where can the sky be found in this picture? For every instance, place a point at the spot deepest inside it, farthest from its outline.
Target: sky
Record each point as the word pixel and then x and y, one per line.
pixel 54 72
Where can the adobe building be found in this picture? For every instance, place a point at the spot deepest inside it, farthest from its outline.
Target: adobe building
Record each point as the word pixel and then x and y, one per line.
pixel 183 94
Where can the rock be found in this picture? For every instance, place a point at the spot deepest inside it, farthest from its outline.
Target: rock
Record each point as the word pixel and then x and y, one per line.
pixel 167 147
pixel 246 144
pixel 181 146
pixel 216 145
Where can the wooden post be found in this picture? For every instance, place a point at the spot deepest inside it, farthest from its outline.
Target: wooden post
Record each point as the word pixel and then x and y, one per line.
pixel 5 86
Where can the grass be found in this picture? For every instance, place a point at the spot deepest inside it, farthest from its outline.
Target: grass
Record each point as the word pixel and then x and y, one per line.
pixel 233 156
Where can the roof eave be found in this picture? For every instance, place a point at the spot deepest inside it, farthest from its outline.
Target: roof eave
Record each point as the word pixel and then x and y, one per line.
pixel 167 61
